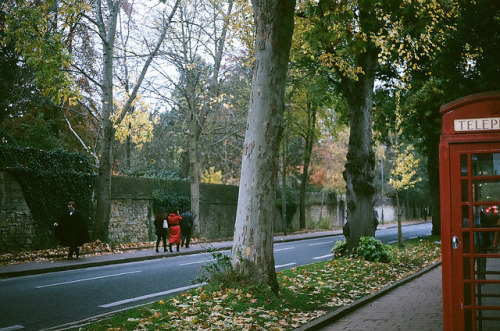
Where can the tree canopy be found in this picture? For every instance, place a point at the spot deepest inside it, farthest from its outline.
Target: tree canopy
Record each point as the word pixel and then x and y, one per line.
pixel 96 79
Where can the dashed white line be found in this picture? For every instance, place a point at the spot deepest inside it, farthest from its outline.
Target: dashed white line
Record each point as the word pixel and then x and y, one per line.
pixel 283 249
pixel 285 265
pixel 197 262
pixel 322 257
pixel 148 296
pixel 87 279
pixel 13 327
pixel 322 243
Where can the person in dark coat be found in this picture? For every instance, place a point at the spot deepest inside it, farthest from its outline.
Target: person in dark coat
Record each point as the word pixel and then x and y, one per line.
pixel 161 232
pixel 186 228
pixel 174 232
pixel 71 230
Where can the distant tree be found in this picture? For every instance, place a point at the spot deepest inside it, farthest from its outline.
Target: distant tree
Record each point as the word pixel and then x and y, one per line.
pixel 308 96
pixel 34 75
pixel 105 19
pixel 361 40
pixel 421 105
pixel 464 61
pixel 403 177
pixel 46 35
pixel 329 161
pixel 196 50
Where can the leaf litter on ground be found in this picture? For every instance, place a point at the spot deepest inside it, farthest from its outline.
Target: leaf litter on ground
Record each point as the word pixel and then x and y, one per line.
pixel 307 292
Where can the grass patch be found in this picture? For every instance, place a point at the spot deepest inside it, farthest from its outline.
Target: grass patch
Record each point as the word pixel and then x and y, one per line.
pixel 307 292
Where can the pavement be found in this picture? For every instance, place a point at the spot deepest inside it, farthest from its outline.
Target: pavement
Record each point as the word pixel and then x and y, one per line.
pixel 87 261
pixel 413 303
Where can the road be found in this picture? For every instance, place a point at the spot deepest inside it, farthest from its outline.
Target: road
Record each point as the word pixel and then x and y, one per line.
pixel 56 300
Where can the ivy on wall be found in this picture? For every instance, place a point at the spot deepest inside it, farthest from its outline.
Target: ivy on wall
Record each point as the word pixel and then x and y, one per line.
pixel 49 179
pixel 171 201
pixel 291 208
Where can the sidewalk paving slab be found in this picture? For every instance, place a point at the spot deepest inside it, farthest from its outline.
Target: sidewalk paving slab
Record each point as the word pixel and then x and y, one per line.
pixel 412 303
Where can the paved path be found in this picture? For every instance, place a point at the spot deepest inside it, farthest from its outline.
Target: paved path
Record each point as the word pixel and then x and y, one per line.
pixel 416 305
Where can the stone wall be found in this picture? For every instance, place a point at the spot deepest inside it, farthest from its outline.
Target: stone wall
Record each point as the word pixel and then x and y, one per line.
pixel 323 211
pixel 131 221
pixel 132 214
pixel 18 230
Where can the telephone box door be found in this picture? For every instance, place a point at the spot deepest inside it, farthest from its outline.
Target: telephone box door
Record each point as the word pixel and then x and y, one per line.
pixel 475 235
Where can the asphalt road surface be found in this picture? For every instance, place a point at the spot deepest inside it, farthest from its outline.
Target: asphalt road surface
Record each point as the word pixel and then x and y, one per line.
pixel 63 299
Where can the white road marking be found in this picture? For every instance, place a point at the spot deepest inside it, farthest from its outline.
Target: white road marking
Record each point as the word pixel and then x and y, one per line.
pixel 87 279
pixel 283 249
pixel 148 296
pixel 197 262
pixel 322 243
pixel 285 265
pixel 322 257
pixel 13 327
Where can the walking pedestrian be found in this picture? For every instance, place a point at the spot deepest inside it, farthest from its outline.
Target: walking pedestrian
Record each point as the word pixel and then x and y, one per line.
pixel 174 233
pixel 71 230
pixel 161 227
pixel 186 228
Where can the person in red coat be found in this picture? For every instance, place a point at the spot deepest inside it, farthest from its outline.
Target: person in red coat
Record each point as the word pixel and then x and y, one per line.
pixel 174 233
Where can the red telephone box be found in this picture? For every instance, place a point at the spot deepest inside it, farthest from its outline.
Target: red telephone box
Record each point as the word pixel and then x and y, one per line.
pixel 470 201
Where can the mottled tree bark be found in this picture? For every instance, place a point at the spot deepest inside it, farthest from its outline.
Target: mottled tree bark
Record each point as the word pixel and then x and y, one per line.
pixel 252 253
pixel 360 166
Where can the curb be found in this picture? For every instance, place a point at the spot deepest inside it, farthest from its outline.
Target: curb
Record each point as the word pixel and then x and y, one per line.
pixel 333 316
pixel 83 264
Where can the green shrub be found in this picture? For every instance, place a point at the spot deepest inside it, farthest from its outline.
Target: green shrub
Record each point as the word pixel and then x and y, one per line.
pixel 340 248
pixel 323 223
pixel 374 250
pixel 219 273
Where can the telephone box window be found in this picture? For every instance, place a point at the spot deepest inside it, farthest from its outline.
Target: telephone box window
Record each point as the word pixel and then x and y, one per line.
pixel 464 166
pixel 487 164
pixel 486 190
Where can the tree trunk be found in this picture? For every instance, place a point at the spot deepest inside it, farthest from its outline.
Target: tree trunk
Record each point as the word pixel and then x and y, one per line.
pixel 128 148
pixel 283 187
pixel 398 210
pixel 195 174
pixel 360 166
pixel 433 173
pixel 309 142
pixel 106 25
pixel 103 185
pixel 252 254
pixel 198 117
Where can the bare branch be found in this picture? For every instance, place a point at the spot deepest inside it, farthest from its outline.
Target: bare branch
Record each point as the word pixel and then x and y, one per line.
pixel 82 142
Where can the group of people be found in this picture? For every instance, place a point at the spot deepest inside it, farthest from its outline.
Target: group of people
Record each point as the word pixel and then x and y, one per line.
pixel 177 226
pixel 71 229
